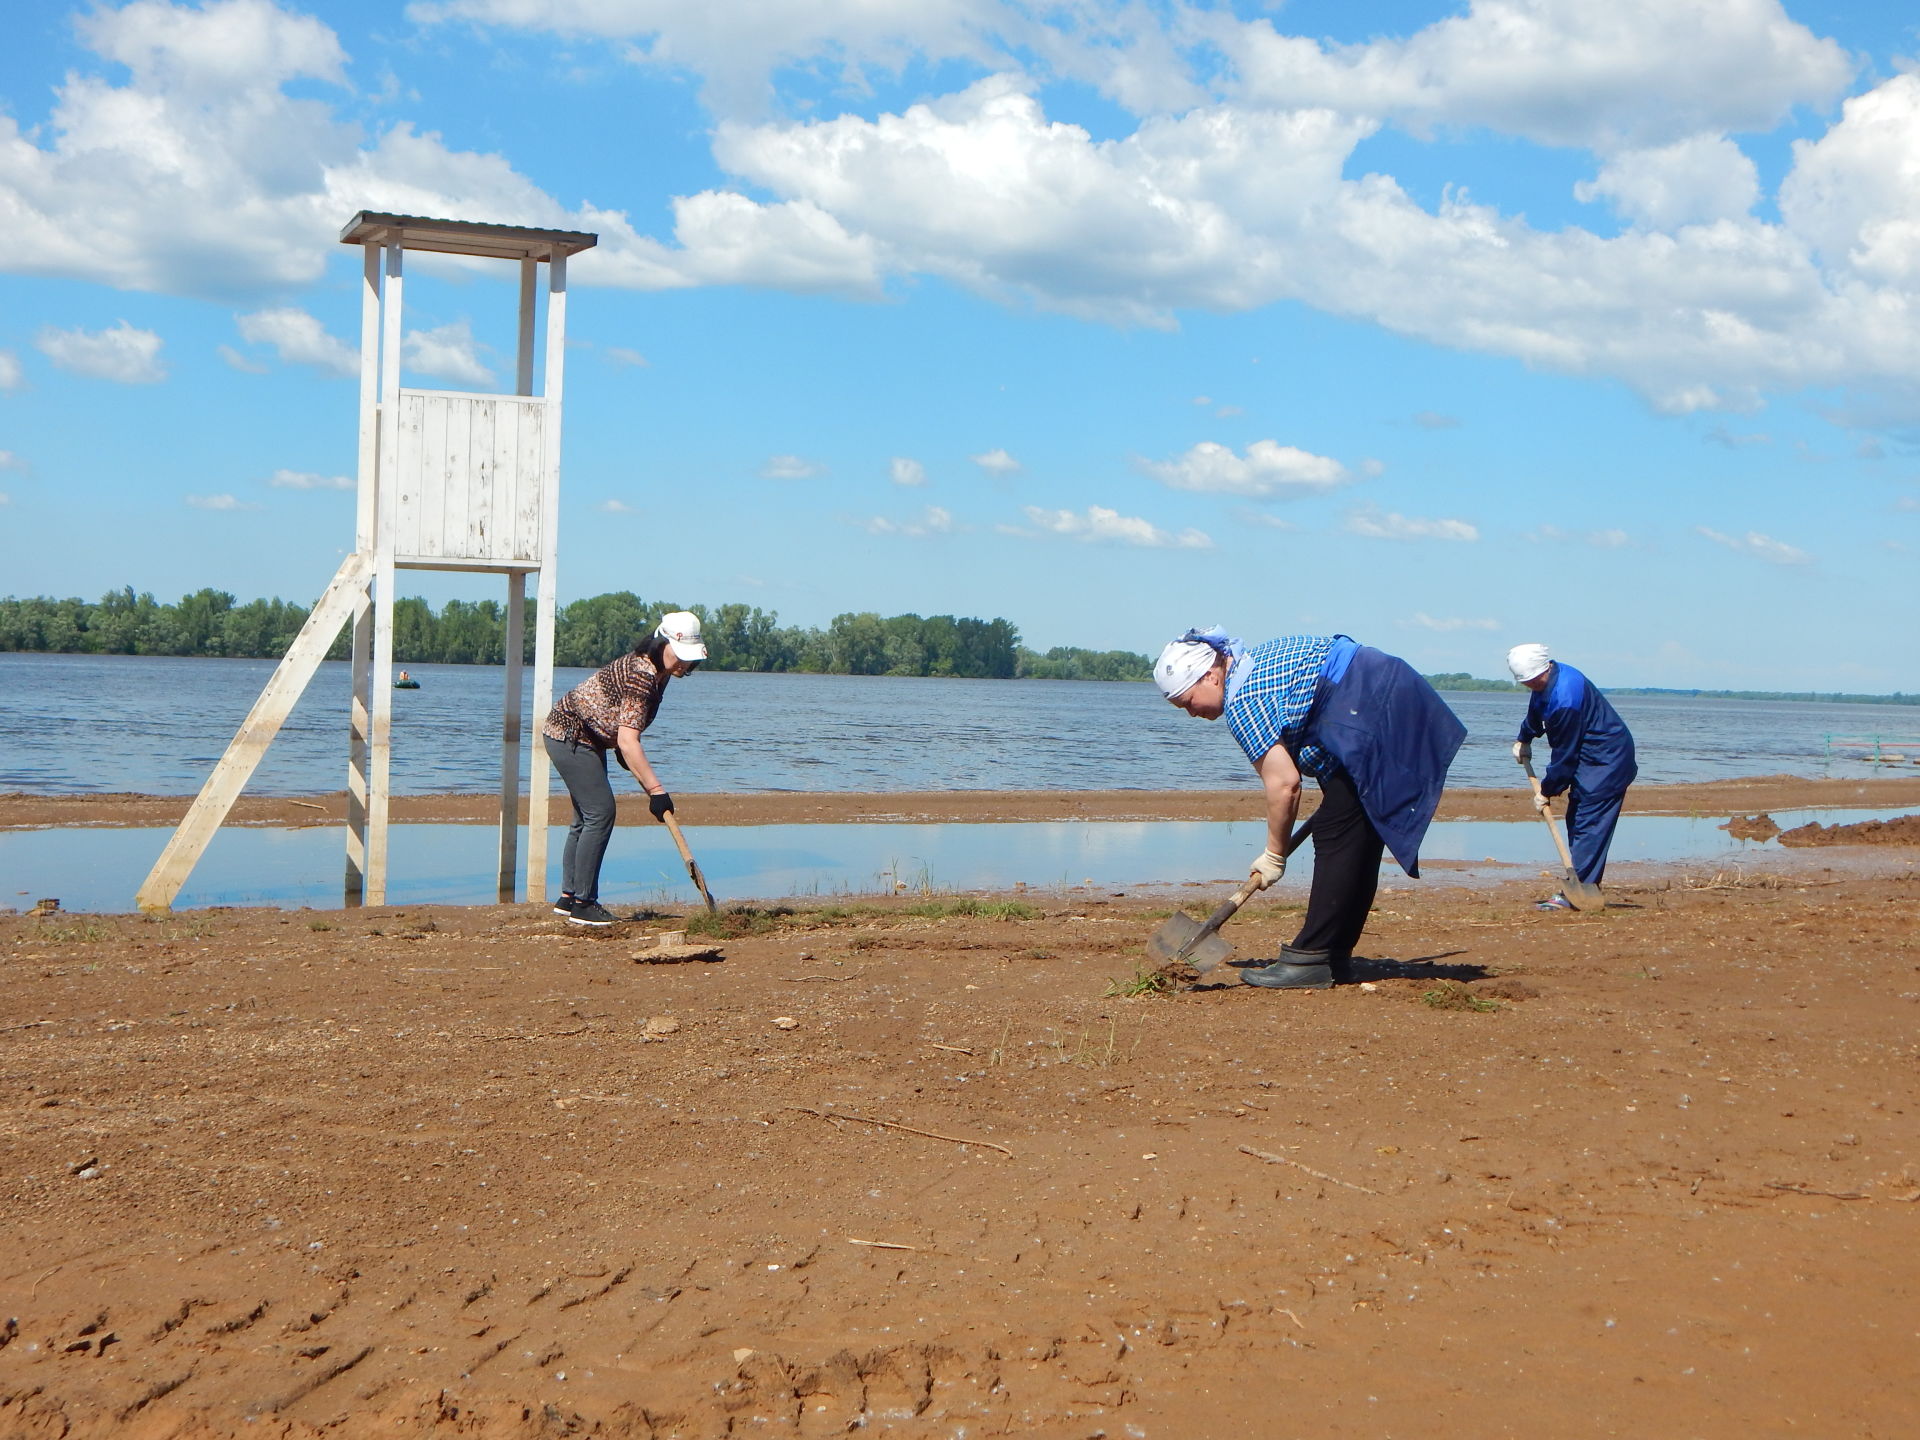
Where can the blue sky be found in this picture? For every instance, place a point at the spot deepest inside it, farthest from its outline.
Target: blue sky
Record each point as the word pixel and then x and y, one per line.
pixel 1444 326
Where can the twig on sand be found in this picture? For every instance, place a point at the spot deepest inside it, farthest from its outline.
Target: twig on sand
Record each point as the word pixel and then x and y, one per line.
pixel 1793 1187
pixel 832 979
pixel 1272 1159
pixel 956 1049
pixel 550 1035
pixel 306 805
pixel 895 1125
pixel 881 1244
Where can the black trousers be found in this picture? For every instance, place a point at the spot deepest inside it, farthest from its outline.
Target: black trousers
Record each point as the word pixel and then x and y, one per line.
pixel 583 770
pixel 1346 870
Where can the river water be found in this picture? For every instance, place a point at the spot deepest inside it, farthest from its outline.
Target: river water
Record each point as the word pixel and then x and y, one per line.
pixel 74 724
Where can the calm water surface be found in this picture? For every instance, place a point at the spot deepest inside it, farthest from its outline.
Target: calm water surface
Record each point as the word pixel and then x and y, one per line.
pixel 73 724
pixel 99 869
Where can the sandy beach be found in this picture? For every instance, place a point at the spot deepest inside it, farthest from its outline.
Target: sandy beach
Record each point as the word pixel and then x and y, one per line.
pixel 908 1165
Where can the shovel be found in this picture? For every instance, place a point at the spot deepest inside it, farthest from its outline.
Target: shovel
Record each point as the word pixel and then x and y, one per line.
pixel 693 866
pixel 1181 937
pixel 1579 893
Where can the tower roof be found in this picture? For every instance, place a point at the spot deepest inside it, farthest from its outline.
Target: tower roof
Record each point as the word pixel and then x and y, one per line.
pixel 464 237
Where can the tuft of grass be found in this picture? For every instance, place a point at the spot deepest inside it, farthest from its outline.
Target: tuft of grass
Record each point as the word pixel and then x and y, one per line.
pixel 319 925
pixel 66 932
pixel 954 905
pixel 1144 982
pixel 1452 995
pixel 1090 1051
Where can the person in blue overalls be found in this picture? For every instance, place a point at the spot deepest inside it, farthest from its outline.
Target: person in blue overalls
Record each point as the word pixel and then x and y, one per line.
pixel 1369 729
pixel 1593 759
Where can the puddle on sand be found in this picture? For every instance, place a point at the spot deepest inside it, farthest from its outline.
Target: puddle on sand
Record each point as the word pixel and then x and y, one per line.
pixel 99 869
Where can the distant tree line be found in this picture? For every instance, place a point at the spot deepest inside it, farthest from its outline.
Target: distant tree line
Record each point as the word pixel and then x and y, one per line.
pixel 590 632
pixel 587 633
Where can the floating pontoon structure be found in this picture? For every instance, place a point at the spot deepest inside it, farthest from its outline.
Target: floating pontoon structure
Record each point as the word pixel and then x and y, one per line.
pixel 448 481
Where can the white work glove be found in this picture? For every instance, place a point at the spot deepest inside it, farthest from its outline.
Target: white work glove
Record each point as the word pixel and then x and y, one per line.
pixel 1543 803
pixel 1268 868
pixel 1522 752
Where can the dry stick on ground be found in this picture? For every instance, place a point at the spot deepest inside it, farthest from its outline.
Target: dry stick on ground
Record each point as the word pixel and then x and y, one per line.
pixel 835 979
pixel 895 1125
pixel 1793 1187
pixel 306 804
pixel 881 1244
pixel 956 1049
pixel 1317 1174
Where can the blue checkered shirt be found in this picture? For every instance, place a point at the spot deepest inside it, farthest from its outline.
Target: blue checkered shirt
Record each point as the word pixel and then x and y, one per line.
pixel 1269 694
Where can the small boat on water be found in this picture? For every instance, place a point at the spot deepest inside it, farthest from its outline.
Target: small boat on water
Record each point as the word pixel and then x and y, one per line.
pixel 406 682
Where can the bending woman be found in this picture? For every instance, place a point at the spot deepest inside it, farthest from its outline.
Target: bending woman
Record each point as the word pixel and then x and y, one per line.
pixel 1371 731
pixel 608 711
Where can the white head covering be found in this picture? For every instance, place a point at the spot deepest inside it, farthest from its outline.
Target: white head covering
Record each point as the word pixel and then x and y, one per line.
pixel 1528 661
pixel 1181 665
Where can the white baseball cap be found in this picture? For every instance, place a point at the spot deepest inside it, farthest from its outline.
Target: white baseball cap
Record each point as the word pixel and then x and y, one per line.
pixel 682 631
pixel 1527 662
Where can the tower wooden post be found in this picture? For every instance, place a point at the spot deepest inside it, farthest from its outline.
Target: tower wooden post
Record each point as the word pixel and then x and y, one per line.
pixel 449 480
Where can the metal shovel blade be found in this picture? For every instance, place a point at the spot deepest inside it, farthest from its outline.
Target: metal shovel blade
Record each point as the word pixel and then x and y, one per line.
pixel 1181 937
pixel 1579 893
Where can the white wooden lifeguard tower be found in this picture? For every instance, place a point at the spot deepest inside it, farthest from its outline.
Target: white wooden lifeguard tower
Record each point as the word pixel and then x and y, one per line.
pixel 448 481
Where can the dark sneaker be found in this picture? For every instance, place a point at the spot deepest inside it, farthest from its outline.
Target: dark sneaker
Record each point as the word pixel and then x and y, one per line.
pixel 592 912
pixel 564 905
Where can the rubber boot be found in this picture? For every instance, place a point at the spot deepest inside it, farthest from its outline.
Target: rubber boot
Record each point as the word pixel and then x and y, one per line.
pixel 1294 970
pixel 1340 967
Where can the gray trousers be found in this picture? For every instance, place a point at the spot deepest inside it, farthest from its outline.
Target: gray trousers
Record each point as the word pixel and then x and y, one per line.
pixel 583 770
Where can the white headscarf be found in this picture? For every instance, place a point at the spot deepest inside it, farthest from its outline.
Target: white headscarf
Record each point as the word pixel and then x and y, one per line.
pixel 1185 660
pixel 1528 662
pixel 1181 665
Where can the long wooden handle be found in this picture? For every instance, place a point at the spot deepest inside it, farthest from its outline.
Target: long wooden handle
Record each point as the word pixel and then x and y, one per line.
pixel 1566 857
pixel 693 866
pixel 1224 911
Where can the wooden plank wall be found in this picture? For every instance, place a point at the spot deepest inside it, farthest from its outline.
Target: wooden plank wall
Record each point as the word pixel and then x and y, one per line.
pixel 471 479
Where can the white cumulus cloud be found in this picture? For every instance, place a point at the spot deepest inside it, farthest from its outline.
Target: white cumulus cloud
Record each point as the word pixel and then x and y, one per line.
pixel 1701 178
pixel 1378 524
pixel 448 352
pixel 309 480
pixel 934 520
pixel 11 461
pixel 120 353
pixel 904 471
pixel 1760 547
pixel 1098 523
pixel 1560 72
pixel 219 502
pixel 791 467
pixel 1445 624
pixel 11 375
pixel 1267 470
pixel 998 462
pixel 299 338
pixel 616 507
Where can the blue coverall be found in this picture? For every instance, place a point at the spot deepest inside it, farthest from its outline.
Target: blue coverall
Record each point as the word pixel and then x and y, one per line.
pixel 1592 760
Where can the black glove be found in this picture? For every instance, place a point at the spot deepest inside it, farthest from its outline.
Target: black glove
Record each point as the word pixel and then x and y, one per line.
pixel 661 805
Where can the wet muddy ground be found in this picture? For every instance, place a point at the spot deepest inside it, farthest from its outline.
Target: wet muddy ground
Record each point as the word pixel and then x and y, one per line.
pixel 909 1166
pixel 1725 797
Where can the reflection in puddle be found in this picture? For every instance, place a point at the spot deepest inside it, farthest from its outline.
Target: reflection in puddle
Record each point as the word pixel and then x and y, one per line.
pixel 99 870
